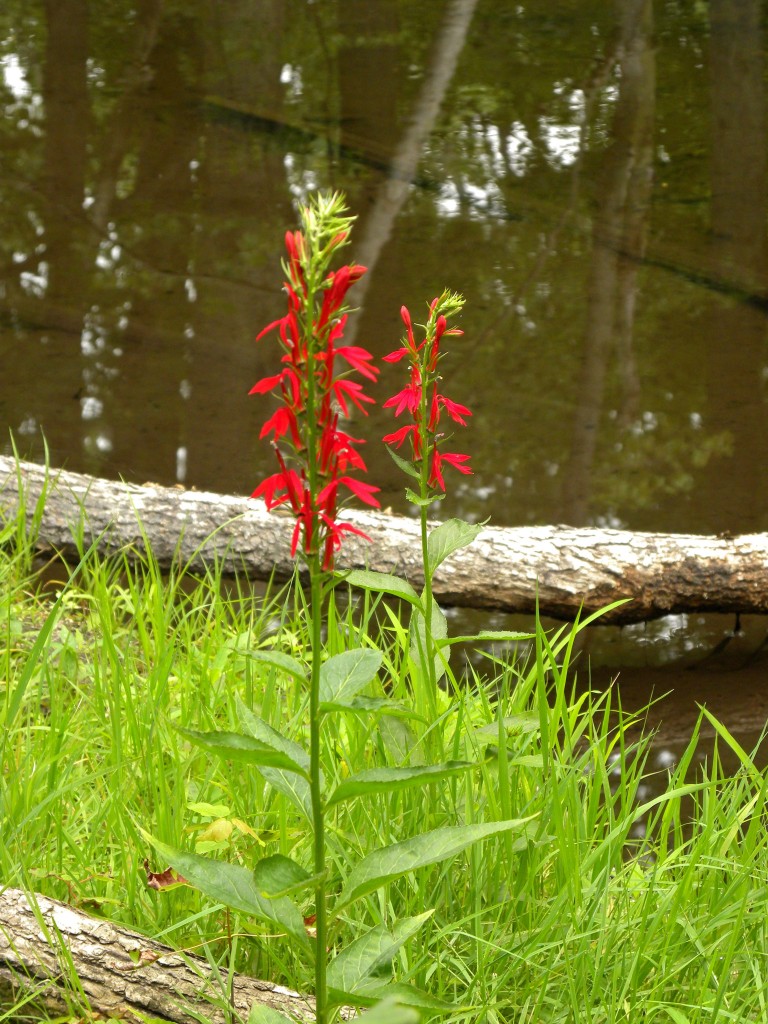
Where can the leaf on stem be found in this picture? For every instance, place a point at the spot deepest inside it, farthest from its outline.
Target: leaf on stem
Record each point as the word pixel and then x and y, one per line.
pixel 388 780
pixel 344 675
pixel 291 785
pixel 416 499
pixel 279 660
pixel 389 1011
pixel 237 747
pixel 372 705
pixel 448 537
pixel 501 636
pixel 370 952
pixel 438 633
pixel 235 887
pixel 403 464
pixel 526 721
pixel 383 583
pixel 278 876
pixel 261 1014
pixel 392 862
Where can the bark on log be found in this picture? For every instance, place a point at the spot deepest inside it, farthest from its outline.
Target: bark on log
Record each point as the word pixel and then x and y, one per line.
pixel 122 973
pixel 505 568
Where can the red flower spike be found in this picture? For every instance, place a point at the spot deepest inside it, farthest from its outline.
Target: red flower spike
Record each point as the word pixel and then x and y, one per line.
pixel 426 410
pixel 310 358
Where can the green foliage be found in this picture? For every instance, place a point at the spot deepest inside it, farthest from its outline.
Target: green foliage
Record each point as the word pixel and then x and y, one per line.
pixel 574 913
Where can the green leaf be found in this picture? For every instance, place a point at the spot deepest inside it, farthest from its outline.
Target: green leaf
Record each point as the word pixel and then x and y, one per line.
pixel 407 995
pixel 389 1011
pixel 281 661
pixel 261 1014
pixel 277 876
pixel 370 952
pixel 383 583
pixel 488 635
pixel 416 499
pixel 211 810
pixel 388 780
pixel 372 705
pixel 392 862
pixel 448 537
pixel 234 886
pixel 526 721
pixel 262 731
pixel 400 740
pixel 345 674
pixel 291 785
pixel 237 747
pixel 401 463
pixel 419 638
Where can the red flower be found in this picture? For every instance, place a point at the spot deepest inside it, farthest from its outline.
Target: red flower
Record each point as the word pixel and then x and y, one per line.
pixel 426 409
pixel 313 395
pixel 400 435
pixel 453 459
pixel 409 398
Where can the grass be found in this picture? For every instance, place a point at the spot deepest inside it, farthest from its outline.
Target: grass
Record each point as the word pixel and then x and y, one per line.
pixel 586 918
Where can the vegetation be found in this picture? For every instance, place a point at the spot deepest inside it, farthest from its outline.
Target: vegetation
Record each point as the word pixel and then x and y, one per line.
pixel 584 918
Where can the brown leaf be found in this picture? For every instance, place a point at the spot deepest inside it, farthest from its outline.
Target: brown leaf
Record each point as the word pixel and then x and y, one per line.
pixel 167 879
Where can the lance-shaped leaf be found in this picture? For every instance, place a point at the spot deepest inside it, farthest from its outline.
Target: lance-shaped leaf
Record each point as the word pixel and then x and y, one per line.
pixel 448 537
pixel 295 787
pixel 439 632
pixel 234 886
pixel 390 1011
pixel 261 1014
pixel 373 990
pixel 526 721
pixel 403 994
pixel 388 780
pixel 499 636
pixel 370 952
pixel 392 862
pixel 279 660
pixel 278 875
pixel 371 705
pixel 237 747
pixel 382 583
pixel 344 675
pixel 401 463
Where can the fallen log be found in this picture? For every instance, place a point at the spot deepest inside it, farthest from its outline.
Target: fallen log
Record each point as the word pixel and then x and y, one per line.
pixel 121 973
pixel 566 569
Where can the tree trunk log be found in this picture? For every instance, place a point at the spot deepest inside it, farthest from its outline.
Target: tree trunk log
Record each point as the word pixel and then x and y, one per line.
pixel 508 569
pixel 123 974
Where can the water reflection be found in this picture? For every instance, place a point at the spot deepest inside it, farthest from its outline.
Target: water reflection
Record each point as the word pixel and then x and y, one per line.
pixel 591 176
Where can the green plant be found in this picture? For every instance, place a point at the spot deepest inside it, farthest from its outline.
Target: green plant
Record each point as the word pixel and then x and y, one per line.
pixel 316 460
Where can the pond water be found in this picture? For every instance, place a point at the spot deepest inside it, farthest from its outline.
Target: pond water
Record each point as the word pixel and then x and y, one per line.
pixel 592 177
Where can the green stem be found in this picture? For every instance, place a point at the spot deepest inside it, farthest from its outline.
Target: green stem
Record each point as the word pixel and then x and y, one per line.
pixel 313 556
pixel 429 652
pixel 318 822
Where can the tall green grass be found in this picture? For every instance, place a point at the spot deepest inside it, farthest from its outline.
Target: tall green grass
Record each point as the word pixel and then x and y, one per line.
pixel 613 907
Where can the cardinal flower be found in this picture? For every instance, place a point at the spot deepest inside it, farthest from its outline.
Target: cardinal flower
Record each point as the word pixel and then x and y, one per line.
pixel 317 458
pixel 422 400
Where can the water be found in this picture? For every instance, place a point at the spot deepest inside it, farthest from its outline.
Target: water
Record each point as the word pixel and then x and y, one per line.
pixel 591 176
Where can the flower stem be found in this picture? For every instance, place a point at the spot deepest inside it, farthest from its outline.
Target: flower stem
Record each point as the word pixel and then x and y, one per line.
pixel 429 652
pixel 318 822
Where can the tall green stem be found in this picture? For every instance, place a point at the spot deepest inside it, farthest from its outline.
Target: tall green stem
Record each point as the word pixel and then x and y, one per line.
pixel 316 613
pixel 318 822
pixel 429 652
